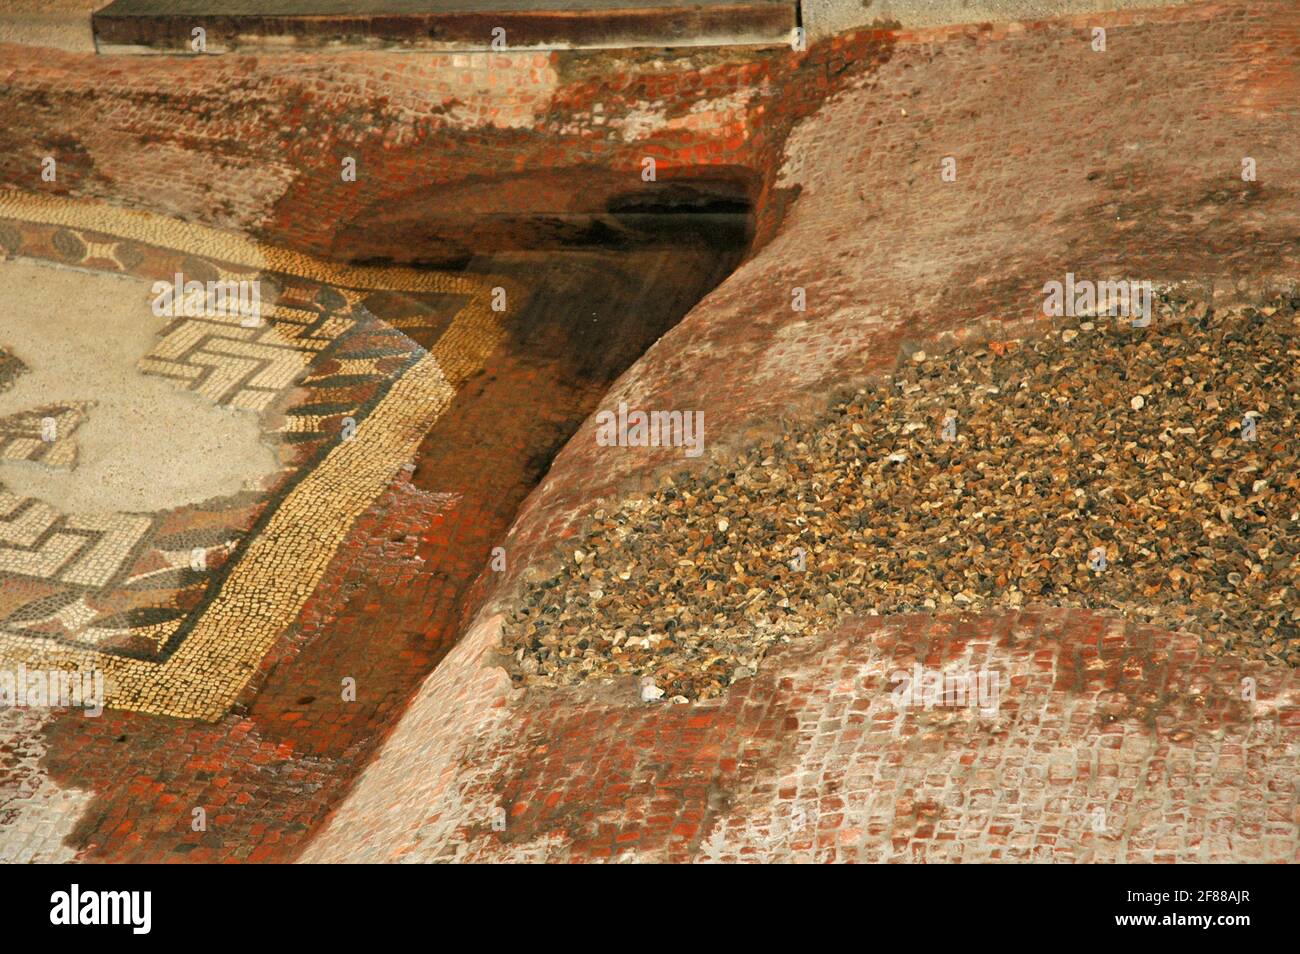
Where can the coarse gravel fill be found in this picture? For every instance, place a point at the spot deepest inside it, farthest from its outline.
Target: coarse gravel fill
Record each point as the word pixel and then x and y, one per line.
pixel 1100 465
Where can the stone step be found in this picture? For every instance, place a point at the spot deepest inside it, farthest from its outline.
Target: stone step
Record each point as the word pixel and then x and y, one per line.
pixel 263 26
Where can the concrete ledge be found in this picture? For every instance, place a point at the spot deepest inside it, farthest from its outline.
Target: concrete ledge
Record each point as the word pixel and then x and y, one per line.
pixel 153 26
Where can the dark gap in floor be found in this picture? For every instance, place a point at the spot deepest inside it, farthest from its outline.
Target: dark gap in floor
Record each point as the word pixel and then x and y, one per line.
pixel 590 314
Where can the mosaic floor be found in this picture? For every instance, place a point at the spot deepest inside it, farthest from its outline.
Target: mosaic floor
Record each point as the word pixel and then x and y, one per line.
pixel 255 644
pixel 177 608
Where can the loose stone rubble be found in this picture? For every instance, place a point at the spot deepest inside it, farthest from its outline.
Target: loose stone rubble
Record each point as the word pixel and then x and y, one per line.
pixel 1102 466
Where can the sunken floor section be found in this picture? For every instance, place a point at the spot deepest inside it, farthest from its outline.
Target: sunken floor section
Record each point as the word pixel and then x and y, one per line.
pixel 1151 471
pixel 255 645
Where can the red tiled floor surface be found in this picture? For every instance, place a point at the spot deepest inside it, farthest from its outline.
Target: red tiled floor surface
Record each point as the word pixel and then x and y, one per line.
pixel 1110 742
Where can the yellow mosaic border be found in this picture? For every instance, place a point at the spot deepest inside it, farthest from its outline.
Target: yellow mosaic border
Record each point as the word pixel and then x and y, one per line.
pixel 264 593
pixel 205 241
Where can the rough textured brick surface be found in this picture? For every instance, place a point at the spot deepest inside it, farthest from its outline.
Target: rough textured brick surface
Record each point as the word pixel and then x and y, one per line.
pixel 1112 742
pixel 439 140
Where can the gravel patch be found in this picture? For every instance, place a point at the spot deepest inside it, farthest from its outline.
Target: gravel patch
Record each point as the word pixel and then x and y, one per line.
pixel 1100 466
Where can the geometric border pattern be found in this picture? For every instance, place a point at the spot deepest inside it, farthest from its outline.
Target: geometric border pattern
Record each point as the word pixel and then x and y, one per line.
pixel 264 591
